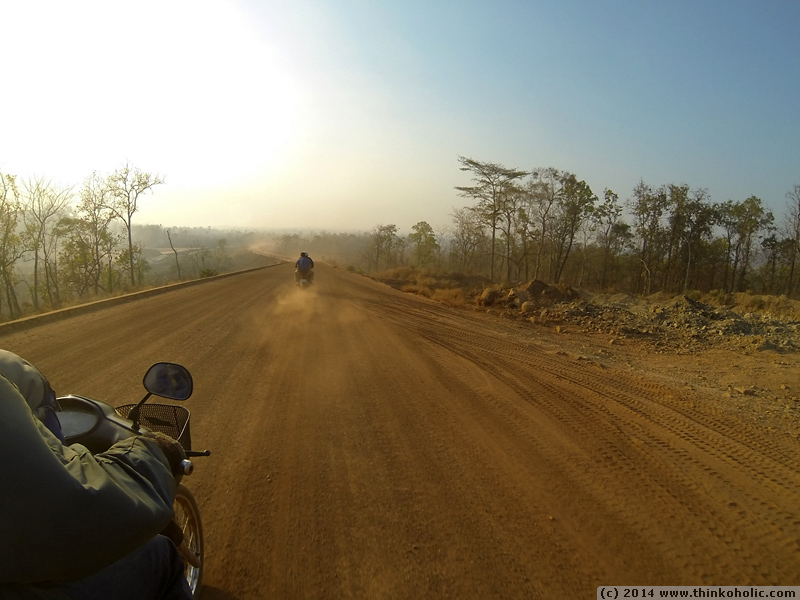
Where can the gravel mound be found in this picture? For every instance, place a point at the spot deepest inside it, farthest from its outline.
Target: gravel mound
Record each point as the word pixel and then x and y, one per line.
pixel 679 323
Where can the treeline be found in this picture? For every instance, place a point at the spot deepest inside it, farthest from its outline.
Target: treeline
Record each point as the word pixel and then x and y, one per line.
pixel 548 224
pixel 59 244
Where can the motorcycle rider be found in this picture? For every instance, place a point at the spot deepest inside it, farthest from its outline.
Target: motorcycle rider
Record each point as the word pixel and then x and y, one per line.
pixel 304 267
pixel 77 526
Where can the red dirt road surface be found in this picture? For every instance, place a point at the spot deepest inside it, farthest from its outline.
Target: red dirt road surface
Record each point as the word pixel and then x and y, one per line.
pixel 372 444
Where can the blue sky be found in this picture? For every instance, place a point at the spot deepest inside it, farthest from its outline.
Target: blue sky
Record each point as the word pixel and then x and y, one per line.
pixel 342 114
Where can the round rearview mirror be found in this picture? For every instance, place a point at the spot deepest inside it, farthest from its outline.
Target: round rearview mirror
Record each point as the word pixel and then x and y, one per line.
pixel 168 380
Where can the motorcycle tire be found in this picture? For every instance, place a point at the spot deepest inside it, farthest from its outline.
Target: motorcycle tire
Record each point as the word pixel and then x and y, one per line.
pixel 187 516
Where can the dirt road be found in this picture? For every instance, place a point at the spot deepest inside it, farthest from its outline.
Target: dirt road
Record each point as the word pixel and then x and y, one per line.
pixel 372 444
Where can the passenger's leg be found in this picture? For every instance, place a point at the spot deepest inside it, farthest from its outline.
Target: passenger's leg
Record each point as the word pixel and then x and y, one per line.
pixel 153 572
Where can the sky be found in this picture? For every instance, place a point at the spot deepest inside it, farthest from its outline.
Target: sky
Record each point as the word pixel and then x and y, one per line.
pixel 340 115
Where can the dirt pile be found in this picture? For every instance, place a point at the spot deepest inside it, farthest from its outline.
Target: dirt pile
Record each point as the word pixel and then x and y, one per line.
pixel 679 324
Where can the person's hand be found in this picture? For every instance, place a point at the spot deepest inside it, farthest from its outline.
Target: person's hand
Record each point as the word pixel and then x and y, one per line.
pixel 171 449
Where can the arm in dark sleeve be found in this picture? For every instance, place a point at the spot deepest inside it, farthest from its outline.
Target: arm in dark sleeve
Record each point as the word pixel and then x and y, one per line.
pixel 65 513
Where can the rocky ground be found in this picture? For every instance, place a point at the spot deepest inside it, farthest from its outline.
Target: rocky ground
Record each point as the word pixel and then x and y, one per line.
pixel 736 357
pixel 680 325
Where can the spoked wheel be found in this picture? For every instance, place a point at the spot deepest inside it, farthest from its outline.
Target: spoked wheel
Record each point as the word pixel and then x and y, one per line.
pixel 187 516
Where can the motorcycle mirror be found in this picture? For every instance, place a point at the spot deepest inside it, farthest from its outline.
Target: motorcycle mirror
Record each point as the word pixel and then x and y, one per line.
pixel 168 380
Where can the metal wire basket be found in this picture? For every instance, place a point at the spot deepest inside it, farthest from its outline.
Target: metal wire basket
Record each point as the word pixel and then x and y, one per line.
pixel 167 418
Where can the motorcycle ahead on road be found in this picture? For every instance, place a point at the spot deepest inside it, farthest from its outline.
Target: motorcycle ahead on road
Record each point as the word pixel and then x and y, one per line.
pixel 303 279
pixel 98 426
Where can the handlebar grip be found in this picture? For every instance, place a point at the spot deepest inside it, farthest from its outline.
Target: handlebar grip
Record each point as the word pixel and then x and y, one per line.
pixel 196 453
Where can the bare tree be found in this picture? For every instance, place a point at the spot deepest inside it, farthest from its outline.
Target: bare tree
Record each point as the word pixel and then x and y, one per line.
pixel 220 254
pixel 125 185
pixel 95 212
pixel 11 247
pixel 44 204
pixel 467 237
pixel 177 262
pixel 542 190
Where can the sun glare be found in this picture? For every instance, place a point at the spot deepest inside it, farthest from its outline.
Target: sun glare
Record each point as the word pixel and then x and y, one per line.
pixel 184 88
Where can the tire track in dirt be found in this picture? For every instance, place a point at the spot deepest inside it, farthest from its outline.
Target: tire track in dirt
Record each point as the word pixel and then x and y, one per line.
pixel 768 517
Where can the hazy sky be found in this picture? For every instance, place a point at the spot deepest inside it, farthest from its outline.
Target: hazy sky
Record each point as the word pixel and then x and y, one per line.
pixel 343 114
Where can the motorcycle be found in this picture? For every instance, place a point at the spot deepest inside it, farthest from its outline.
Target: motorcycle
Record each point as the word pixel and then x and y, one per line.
pixel 98 426
pixel 304 279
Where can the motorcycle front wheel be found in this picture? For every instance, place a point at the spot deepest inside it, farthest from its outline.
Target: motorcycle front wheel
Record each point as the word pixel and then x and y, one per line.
pixel 187 516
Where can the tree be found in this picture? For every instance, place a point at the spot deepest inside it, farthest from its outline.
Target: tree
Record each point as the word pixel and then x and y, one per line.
pixel 11 247
pixel 423 238
pixel 777 253
pixel 677 216
pixel 543 190
pixel 752 218
pixel 792 232
pixel 699 218
pixel 96 219
pixel 177 262
pixel 78 270
pixel 574 205
pixel 468 235
pixel 728 220
pixel 511 214
pixel 648 207
pixel 742 221
pixel 491 181
pixel 608 217
pixel 126 185
pixel 44 203
pixel 382 240
pixel 220 254
pixel 136 261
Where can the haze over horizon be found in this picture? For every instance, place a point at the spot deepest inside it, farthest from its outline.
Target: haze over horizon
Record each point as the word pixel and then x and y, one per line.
pixel 342 114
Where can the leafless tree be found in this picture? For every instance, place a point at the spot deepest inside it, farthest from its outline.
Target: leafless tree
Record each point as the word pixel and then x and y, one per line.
pixel 11 247
pixel 44 204
pixel 126 185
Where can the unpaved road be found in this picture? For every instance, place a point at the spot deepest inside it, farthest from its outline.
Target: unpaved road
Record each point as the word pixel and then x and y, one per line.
pixel 372 444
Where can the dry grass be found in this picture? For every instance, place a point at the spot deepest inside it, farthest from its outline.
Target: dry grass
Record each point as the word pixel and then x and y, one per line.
pixel 408 273
pixel 742 302
pixel 457 290
pixel 774 306
pixel 421 290
pixel 451 296
pixel 441 286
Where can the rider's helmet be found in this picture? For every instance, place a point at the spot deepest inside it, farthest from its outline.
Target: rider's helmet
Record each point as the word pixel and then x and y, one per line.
pixel 303 254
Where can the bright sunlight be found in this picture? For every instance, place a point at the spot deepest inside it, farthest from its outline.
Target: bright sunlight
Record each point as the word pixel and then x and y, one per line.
pixel 183 83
